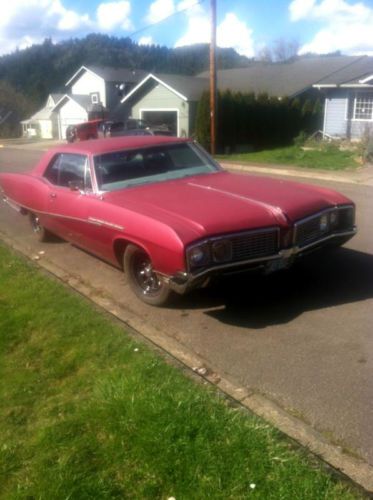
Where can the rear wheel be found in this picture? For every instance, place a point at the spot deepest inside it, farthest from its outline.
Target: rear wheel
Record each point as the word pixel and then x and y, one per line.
pixel 39 231
pixel 143 280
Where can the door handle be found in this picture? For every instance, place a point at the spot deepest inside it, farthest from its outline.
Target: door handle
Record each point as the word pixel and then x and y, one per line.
pixel 52 195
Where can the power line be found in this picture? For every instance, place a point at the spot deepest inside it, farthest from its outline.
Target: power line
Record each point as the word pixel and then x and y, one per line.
pixel 165 18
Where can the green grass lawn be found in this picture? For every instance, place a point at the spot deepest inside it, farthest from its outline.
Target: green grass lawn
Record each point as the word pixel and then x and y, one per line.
pixel 328 157
pixel 88 413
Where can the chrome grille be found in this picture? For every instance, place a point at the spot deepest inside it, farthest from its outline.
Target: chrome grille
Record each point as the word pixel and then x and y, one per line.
pixel 254 245
pixel 309 231
pixel 323 224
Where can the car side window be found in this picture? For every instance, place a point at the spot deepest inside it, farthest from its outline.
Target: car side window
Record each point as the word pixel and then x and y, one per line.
pixel 67 169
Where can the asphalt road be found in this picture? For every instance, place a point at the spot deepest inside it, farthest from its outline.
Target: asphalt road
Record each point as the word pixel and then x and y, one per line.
pixel 303 338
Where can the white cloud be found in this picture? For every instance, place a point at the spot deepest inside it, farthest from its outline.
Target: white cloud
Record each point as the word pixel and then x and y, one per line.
pixel 112 15
pixel 146 40
pixel 26 22
pixel 160 9
pixel 347 26
pixel 231 32
pixel 235 33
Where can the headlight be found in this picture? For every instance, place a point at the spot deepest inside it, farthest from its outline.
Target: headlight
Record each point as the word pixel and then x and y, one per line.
pixel 199 255
pixel 221 250
pixel 334 218
pixel 346 218
pixel 324 223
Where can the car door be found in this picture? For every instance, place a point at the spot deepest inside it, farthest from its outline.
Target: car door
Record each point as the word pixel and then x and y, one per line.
pixel 69 176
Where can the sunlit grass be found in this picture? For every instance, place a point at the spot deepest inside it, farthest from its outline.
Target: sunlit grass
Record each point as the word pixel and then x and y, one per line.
pixel 88 413
pixel 328 158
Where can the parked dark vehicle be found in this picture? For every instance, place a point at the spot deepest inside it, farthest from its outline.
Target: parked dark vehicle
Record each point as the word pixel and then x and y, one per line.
pixel 134 127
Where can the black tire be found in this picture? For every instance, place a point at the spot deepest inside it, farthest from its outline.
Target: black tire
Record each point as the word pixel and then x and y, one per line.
pixel 143 281
pixel 41 234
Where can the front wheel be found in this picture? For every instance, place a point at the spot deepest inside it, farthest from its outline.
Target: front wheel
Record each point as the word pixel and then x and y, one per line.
pixel 39 231
pixel 142 279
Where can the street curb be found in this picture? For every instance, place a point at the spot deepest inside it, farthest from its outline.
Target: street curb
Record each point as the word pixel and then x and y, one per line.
pixel 349 467
pixel 325 176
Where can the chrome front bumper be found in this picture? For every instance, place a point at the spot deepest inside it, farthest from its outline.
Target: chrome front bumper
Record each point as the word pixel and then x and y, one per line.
pixel 184 281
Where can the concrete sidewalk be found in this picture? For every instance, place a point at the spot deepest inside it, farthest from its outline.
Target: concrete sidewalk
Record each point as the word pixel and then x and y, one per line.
pixel 362 175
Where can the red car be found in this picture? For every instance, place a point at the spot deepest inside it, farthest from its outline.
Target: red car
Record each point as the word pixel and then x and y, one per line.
pixel 163 210
pixel 84 131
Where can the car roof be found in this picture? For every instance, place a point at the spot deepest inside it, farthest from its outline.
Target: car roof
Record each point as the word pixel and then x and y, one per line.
pixel 107 145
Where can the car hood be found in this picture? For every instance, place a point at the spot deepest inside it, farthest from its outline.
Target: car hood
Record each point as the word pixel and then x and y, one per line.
pixel 224 202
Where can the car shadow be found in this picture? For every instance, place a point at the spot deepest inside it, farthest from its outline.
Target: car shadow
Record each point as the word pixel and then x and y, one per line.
pixel 316 282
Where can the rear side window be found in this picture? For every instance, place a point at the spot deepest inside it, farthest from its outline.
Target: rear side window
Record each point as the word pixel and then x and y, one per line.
pixel 66 169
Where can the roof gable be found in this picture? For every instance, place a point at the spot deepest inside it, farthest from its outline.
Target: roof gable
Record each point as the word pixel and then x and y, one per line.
pixel 81 100
pixel 188 88
pixel 108 74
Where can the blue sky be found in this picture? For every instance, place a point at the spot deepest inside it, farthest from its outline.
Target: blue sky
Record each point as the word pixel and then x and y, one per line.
pixel 319 26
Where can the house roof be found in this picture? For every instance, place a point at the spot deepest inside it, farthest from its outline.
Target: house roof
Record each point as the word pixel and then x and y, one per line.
pixel 354 74
pixel 84 101
pixel 276 79
pixel 188 88
pixel 56 97
pixel 110 74
pixel 282 79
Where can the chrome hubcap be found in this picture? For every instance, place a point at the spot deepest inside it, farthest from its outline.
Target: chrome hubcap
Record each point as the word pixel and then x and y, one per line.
pixel 146 277
pixel 35 223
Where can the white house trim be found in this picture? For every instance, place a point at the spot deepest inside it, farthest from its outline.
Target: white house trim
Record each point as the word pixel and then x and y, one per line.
pixel 71 99
pixel 325 115
pixel 356 85
pixel 142 110
pixel 150 75
pixel 325 86
pixel 87 70
pixel 367 79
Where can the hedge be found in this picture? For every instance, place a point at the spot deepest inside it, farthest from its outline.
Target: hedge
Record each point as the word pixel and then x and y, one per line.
pixel 254 122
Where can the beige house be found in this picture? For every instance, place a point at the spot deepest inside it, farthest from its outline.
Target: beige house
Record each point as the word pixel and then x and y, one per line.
pixel 43 123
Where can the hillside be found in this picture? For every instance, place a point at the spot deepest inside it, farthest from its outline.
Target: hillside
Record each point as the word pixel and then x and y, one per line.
pixel 42 69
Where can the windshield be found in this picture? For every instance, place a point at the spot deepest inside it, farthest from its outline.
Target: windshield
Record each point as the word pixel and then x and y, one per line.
pixel 122 169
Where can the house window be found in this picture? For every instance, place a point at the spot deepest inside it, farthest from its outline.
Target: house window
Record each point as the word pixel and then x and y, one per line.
pixel 364 107
pixel 94 98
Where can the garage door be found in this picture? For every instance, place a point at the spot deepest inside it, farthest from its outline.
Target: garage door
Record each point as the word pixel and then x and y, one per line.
pixel 157 118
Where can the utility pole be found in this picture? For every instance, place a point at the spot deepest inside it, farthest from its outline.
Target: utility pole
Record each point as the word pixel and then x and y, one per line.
pixel 213 78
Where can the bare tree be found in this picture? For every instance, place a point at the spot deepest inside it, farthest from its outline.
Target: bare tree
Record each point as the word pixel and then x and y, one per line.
pixel 281 50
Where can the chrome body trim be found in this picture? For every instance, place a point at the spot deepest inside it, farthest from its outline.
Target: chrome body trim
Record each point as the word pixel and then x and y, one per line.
pixel 12 204
pixel 183 281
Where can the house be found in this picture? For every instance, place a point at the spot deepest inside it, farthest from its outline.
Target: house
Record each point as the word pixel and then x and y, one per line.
pixel 346 83
pixel 173 100
pixel 44 122
pixel 92 92
pixel 167 100
pixel 348 93
pixel 95 92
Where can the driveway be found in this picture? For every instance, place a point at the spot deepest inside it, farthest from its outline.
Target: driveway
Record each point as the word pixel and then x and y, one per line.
pixel 302 338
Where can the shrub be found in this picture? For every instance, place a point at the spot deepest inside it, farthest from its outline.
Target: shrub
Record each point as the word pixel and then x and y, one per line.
pixel 246 121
